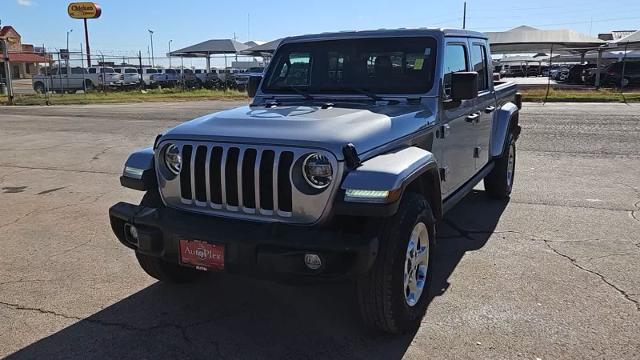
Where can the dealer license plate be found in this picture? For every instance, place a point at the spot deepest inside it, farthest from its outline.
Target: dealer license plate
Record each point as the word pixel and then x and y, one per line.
pixel 202 255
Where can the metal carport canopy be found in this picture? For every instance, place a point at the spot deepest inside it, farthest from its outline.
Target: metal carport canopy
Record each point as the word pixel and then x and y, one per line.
pixel 260 50
pixel 526 39
pixel 631 42
pixel 211 47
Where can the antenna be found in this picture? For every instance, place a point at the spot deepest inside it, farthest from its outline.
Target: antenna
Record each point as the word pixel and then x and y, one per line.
pixel 464 16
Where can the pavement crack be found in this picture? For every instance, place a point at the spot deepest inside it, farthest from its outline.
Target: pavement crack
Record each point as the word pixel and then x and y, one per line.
pixel 124 326
pixel 22 281
pixel 574 262
pixel 467 235
pixel 42 311
pixel 97 156
pixel 58 169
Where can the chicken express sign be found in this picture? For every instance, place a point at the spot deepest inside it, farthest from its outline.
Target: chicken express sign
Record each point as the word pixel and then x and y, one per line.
pixel 84 10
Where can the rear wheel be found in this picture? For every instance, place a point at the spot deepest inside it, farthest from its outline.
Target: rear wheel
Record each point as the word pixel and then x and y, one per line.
pixel 394 297
pixel 499 182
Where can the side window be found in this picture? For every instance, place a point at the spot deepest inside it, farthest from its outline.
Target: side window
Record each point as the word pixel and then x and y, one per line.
pixel 455 60
pixel 479 61
pixel 92 70
pixel 76 71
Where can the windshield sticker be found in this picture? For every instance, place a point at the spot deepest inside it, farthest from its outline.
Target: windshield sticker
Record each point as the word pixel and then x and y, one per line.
pixel 418 64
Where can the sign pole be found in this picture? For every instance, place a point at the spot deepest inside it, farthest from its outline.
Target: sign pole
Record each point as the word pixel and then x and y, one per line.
pixel 86 40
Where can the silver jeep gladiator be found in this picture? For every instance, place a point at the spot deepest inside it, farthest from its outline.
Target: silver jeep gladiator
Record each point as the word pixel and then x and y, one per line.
pixel 354 146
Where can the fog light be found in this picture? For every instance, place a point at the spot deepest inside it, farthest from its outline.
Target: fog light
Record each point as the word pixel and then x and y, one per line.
pixel 133 232
pixel 312 261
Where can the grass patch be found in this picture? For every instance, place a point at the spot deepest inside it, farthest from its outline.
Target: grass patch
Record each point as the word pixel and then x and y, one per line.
pixel 173 94
pixel 126 97
pixel 602 95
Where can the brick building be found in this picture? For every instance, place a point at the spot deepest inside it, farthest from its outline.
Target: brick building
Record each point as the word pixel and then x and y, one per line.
pixel 24 59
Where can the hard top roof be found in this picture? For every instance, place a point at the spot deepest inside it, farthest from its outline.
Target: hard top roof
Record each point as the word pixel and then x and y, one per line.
pixel 353 34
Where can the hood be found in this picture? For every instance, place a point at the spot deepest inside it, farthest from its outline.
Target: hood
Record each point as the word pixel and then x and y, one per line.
pixel 367 127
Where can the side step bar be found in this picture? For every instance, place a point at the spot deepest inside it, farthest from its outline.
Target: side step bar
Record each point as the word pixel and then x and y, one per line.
pixel 454 198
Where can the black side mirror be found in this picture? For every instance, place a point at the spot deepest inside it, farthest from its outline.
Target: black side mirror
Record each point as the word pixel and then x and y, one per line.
pixel 252 86
pixel 464 85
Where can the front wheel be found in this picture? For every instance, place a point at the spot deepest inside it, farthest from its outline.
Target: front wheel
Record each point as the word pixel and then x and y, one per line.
pixel 499 182
pixel 394 297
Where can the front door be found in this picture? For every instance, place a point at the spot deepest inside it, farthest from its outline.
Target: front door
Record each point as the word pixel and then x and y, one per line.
pixel 456 128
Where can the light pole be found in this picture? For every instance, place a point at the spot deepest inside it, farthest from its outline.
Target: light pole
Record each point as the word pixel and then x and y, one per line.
pixel 151 36
pixel 170 53
pixel 68 32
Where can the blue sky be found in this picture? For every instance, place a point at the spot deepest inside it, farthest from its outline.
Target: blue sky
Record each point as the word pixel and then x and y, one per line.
pixel 122 28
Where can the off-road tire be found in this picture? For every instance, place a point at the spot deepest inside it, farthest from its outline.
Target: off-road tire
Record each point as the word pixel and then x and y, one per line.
pixel 381 297
pixel 495 183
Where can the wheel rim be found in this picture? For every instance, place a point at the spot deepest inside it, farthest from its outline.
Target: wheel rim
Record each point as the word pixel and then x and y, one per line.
pixel 511 164
pixel 416 264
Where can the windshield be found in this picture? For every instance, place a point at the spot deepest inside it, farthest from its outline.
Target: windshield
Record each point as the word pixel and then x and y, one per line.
pixel 382 65
pixel 130 71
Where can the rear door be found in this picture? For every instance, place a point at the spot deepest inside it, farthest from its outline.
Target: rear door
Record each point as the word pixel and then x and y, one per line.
pixel 484 105
pixel 456 131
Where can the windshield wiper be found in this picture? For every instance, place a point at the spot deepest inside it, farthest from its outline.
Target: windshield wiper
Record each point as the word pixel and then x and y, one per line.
pixel 297 90
pixel 366 92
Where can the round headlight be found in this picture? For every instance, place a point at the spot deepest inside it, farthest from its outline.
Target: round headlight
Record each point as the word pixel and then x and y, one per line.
pixel 317 171
pixel 172 158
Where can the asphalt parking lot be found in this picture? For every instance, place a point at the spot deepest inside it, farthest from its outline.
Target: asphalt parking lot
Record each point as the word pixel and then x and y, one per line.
pixel 552 273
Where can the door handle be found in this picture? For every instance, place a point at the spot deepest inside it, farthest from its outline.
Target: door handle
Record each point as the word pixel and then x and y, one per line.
pixel 473 117
pixel 489 109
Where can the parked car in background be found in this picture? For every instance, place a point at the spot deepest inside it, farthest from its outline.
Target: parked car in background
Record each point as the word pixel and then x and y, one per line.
pixel 167 77
pixel 613 73
pixel 130 76
pixel 188 78
pixel 150 77
pixel 64 79
pixel 106 76
pixel 208 79
pixel 242 78
pixel 574 74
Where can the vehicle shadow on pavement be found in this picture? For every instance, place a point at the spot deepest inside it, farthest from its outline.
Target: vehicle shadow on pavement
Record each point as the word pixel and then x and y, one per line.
pixel 236 317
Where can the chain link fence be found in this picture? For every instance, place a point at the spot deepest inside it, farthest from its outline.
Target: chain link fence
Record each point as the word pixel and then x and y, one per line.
pixel 74 74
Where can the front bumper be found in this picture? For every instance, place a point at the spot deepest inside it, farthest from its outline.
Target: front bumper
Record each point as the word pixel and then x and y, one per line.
pixel 259 249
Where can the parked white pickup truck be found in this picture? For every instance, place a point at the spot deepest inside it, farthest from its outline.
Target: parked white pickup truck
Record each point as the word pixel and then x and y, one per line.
pixel 106 76
pixel 63 80
pixel 129 76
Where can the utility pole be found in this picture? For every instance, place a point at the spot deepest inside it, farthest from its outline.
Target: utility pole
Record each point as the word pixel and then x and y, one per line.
pixel 151 35
pixel 68 32
pixel 86 41
pixel 464 16
pixel 7 70
pixel 170 53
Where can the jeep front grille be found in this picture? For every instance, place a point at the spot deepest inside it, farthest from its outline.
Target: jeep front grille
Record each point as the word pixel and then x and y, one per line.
pixel 243 181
